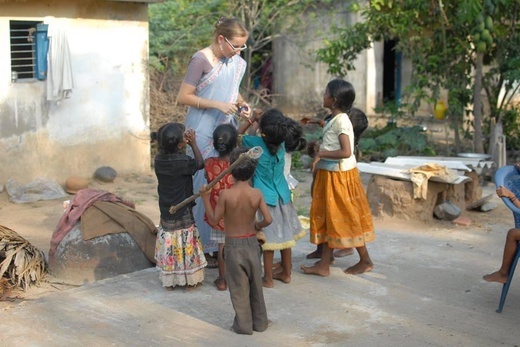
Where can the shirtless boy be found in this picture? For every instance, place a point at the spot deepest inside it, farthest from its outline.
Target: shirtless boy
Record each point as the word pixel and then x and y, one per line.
pixel 238 206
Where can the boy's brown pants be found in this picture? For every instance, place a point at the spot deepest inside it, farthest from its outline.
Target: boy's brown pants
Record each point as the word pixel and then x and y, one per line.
pixel 244 280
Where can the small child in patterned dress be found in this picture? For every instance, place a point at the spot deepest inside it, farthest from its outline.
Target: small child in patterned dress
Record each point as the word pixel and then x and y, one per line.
pixel 224 140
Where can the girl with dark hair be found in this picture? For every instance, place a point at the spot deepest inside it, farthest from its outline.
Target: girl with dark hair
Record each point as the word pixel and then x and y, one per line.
pixel 294 142
pixel 269 178
pixel 340 214
pixel 359 125
pixel 224 140
pixel 178 250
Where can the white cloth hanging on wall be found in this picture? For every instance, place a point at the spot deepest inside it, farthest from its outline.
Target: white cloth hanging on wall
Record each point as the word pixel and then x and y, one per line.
pixel 59 68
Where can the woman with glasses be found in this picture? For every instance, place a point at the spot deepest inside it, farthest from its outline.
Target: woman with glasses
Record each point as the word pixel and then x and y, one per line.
pixel 211 90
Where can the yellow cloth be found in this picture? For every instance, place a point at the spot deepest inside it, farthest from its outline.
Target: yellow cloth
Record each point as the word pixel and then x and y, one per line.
pixel 421 174
pixel 340 214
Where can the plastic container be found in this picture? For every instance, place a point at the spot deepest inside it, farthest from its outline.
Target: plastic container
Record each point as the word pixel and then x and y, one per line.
pixel 439 110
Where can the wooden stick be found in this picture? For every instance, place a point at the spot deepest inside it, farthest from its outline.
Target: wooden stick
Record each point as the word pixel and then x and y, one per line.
pixel 253 153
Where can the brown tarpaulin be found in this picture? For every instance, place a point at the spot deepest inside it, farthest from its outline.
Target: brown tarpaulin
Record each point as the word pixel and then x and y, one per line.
pixel 104 218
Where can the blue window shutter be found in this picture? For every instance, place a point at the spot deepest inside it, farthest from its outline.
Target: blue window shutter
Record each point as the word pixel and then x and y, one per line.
pixel 42 46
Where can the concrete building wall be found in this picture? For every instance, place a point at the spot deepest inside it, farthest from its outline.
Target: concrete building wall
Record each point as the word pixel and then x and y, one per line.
pixel 299 80
pixel 105 121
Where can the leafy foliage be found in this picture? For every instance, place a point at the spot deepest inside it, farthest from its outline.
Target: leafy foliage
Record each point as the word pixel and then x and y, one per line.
pixel 443 40
pixel 177 27
pixel 390 141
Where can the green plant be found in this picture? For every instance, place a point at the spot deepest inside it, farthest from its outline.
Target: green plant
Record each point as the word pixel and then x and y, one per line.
pixel 393 109
pixel 296 162
pixel 512 128
pixel 448 43
pixel 380 143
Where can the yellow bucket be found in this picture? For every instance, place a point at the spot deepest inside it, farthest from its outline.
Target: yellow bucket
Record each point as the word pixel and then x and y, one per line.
pixel 439 110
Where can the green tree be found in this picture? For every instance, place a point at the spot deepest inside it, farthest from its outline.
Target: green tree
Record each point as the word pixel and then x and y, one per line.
pixel 448 43
pixel 179 27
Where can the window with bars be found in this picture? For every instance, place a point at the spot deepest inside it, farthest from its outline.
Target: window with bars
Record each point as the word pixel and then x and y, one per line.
pixel 29 46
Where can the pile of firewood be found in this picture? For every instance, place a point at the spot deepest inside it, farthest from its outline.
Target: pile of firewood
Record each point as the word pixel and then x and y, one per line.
pixel 21 263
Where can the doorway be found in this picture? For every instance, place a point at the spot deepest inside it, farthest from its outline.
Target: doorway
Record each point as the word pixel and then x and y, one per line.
pixel 391 73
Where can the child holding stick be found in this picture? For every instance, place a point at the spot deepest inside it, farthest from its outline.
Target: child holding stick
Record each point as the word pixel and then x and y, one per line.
pixel 238 206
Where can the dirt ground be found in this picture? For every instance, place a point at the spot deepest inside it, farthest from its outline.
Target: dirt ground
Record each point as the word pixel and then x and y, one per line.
pixel 428 275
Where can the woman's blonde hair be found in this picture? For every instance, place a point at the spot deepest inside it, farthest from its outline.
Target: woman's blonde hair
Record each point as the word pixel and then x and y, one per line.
pixel 229 28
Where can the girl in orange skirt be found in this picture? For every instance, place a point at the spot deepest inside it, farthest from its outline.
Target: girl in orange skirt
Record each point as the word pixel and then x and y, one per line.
pixel 340 214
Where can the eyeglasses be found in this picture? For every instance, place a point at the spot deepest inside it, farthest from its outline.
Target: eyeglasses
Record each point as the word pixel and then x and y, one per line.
pixel 233 47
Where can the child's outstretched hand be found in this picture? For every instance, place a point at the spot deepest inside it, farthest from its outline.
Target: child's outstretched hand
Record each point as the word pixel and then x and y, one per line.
pixel 305 120
pixel 189 135
pixel 257 114
pixel 312 120
pixel 204 191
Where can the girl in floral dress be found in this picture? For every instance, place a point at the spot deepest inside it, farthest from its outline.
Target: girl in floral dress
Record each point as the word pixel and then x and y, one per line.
pixel 178 250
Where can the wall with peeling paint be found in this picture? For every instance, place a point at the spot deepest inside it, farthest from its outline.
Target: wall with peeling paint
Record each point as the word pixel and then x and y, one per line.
pixel 106 120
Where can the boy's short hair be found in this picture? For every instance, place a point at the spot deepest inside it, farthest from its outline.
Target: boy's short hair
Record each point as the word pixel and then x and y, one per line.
pixel 246 169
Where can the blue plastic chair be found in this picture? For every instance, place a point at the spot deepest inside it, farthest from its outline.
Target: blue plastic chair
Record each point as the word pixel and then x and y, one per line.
pixel 508 176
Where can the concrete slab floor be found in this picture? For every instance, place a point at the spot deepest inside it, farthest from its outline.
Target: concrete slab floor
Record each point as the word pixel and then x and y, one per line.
pixel 425 290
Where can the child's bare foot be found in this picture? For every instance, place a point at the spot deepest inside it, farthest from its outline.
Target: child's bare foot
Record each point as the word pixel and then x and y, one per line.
pixel 340 253
pixel 220 283
pixel 189 288
pixel 316 270
pixel 277 270
pixel 282 276
pixel 359 268
pixel 332 261
pixel 314 255
pixel 277 265
pixel 267 283
pixel 170 288
pixel 495 277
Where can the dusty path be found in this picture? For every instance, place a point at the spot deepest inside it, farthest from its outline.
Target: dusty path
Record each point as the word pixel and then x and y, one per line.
pixel 425 290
